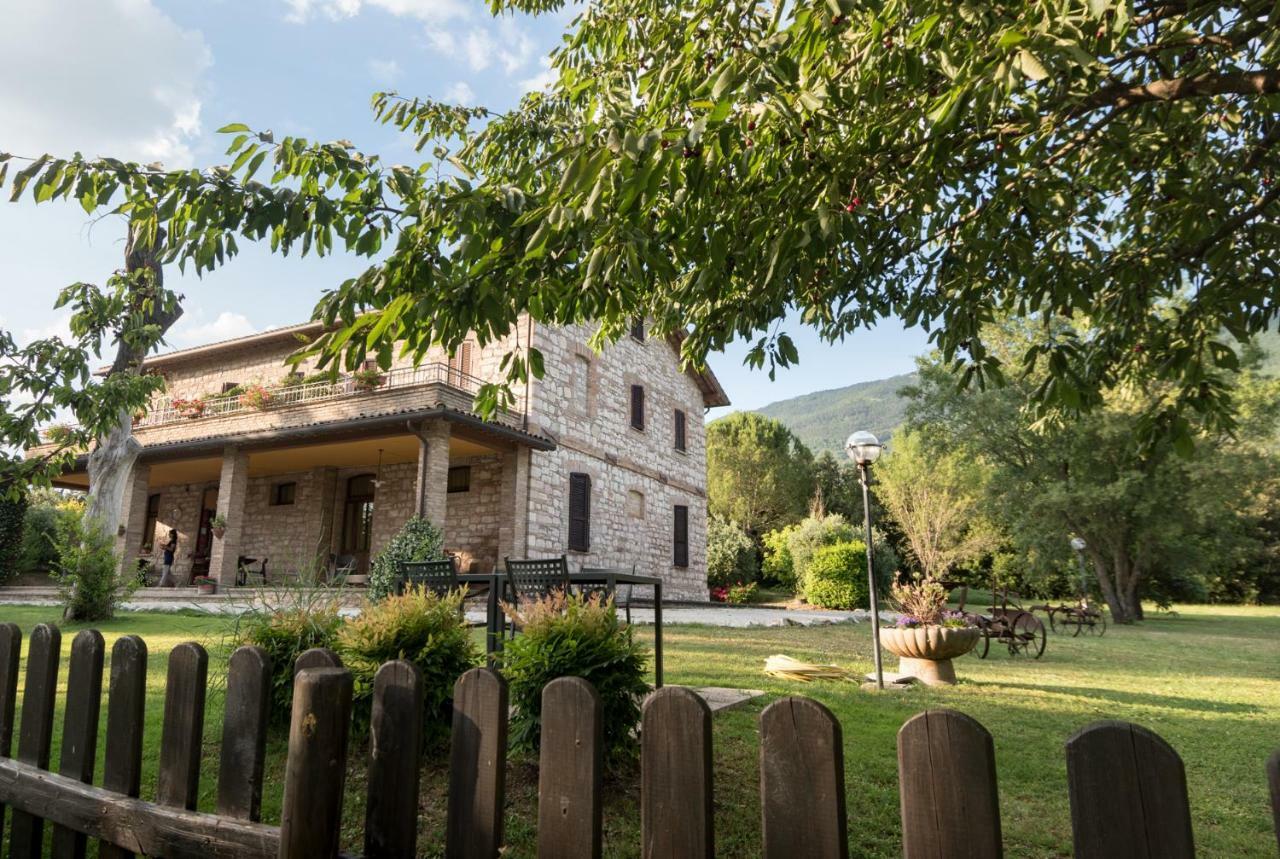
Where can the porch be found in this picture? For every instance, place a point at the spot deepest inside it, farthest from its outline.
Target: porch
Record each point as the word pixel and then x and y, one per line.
pixel 308 500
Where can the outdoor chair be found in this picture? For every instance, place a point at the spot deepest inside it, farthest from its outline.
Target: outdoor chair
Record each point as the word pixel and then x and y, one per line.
pixel 535 579
pixel 244 569
pixel 621 593
pixel 439 577
pixel 342 566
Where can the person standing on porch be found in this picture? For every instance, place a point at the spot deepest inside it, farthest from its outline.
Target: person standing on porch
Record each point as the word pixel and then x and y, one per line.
pixel 170 549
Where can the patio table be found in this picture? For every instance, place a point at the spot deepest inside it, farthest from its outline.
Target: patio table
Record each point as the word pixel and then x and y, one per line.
pixel 497 579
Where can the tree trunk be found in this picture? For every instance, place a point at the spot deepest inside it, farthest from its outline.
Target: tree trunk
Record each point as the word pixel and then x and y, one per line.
pixel 1108 587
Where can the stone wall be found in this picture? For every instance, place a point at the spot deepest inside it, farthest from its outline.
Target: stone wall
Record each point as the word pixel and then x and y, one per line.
pixel 637 476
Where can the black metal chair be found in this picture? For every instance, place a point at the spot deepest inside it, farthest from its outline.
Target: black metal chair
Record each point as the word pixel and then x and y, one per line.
pixel 534 579
pixel 440 577
pixel 621 593
pixel 244 571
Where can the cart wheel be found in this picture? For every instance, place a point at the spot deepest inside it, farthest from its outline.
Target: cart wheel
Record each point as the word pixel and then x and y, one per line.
pixel 1028 635
pixel 1079 618
pixel 1100 625
pixel 984 645
pixel 1054 621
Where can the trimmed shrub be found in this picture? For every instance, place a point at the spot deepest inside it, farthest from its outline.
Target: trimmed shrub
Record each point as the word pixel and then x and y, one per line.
pixel 422 628
pixel 742 594
pixel 573 636
pixel 89 583
pixel 309 619
pixel 811 535
pixel 13 510
pixel 731 556
pixel 836 576
pixel 418 540
pixel 45 508
pixel 778 567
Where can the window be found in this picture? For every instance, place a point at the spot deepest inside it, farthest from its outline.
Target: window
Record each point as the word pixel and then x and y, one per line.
pixel 357 519
pixel 460 365
pixel 635 504
pixel 228 387
pixel 283 493
pixel 153 519
pixel 679 437
pixel 637 407
pixel 681 536
pixel 579 512
pixel 581 391
pixel 637 329
pixel 460 478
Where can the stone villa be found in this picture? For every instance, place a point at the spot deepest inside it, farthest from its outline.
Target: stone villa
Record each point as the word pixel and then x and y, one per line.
pixel 603 459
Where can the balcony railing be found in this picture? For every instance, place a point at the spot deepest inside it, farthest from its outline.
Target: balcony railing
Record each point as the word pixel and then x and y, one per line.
pixel 283 396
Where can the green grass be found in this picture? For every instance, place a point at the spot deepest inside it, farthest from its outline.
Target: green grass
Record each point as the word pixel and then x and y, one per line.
pixel 1204 678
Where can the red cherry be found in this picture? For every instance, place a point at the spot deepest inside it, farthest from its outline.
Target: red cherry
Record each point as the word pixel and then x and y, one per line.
pixel 849 207
pixel 751 125
pixel 837 20
pixel 750 143
pixel 666 144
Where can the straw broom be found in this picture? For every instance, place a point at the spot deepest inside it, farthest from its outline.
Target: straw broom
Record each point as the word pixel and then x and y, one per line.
pixel 786 668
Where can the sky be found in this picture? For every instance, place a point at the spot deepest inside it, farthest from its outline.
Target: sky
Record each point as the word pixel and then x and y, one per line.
pixel 151 80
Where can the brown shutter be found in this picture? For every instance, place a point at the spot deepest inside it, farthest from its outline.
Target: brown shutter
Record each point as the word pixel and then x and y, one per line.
pixel 637 328
pixel 579 512
pixel 637 406
pixel 681 536
pixel 680 439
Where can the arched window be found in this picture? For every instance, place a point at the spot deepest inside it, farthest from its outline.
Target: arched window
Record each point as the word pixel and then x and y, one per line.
pixel 357 520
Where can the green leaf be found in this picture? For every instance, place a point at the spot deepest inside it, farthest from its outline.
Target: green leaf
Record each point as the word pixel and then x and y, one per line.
pixel 233 128
pixel 1031 66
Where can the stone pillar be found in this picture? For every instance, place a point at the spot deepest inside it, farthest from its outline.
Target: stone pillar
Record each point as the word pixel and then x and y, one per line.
pixel 133 518
pixel 513 500
pixel 432 493
pixel 232 486
pixel 324 486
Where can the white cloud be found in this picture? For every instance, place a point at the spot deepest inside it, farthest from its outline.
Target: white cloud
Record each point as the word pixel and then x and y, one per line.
pixel 115 77
pixel 460 93
pixel 542 80
pixel 385 72
pixel 507 44
pixel 59 326
pixel 191 330
pixel 424 10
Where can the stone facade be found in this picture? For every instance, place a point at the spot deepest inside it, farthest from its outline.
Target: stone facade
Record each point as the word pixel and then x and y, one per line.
pixel 516 499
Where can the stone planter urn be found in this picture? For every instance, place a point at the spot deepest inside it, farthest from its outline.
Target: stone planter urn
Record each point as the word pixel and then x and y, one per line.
pixel 219 531
pixel 925 652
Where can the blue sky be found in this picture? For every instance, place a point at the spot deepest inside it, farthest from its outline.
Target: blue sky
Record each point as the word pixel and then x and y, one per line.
pixel 152 79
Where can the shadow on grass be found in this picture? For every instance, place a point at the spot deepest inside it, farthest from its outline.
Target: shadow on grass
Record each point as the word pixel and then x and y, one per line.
pixel 1145 699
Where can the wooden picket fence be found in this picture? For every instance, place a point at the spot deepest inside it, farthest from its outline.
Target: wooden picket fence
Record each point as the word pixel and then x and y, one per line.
pixel 1126 785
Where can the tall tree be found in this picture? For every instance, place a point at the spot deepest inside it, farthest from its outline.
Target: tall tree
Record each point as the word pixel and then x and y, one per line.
pixel 836 486
pixel 944 164
pixel 759 475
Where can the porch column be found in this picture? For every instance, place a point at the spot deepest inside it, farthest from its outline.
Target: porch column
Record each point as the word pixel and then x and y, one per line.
pixel 513 502
pixel 324 485
pixel 232 486
pixel 432 497
pixel 133 518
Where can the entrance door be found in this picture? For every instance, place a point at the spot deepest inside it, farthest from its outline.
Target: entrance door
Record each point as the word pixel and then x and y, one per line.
pixel 357 520
pixel 204 532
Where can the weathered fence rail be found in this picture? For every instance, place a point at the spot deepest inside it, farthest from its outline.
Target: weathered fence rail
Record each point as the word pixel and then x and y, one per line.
pixel 1126 786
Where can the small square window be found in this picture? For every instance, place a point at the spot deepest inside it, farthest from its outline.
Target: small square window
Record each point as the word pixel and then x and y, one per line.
pixel 283 494
pixel 460 478
pixel 637 329
pixel 228 387
pixel 635 504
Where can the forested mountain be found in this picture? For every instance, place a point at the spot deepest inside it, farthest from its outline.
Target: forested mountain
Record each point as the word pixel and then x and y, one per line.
pixel 824 419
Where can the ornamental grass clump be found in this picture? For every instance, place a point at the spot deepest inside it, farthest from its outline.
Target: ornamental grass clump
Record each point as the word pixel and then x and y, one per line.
pixel 418 626
pixel 301 620
pixel 923 602
pixel 575 636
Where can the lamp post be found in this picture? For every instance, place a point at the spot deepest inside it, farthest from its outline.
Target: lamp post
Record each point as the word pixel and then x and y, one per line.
pixel 864 448
pixel 1079 545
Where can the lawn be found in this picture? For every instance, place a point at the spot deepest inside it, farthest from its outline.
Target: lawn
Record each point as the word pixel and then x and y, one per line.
pixel 1204 678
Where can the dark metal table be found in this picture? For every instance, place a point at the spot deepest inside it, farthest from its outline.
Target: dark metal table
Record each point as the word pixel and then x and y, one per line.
pixel 494 621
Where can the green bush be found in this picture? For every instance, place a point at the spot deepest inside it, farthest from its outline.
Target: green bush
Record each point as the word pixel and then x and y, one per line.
pixel 836 576
pixel 306 619
pixel 12 515
pixel 811 535
pixel 778 567
pixel 89 582
pixel 422 628
pixel 731 555
pixel 575 637
pixel 45 509
pixel 742 594
pixel 418 540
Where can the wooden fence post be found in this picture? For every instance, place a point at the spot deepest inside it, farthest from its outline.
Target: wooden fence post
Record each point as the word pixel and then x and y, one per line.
pixel 802 799
pixel 126 701
pixel 395 753
pixel 477 766
pixel 178 781
pixel 10 651
pixel 315 773
pixel 1128 794
pixel 36 731
pixel 1273 778
pixel 676 813
pixel 947 788
pixel 316 657
pixel 80 728
pixel 244 734
pixel 570 768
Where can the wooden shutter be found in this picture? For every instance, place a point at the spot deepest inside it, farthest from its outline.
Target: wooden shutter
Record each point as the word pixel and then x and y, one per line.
pixel 580 512
pixel 637 328
pixel 681 536
pixel 637 406
pixel 680 439
pixel 460 366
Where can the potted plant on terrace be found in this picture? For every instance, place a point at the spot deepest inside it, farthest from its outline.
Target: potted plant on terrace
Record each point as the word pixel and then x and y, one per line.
pixel 205 584
pixel 255 397
pixel 218 524
pixel 367 380
pixel 192 408
pixel 927 636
